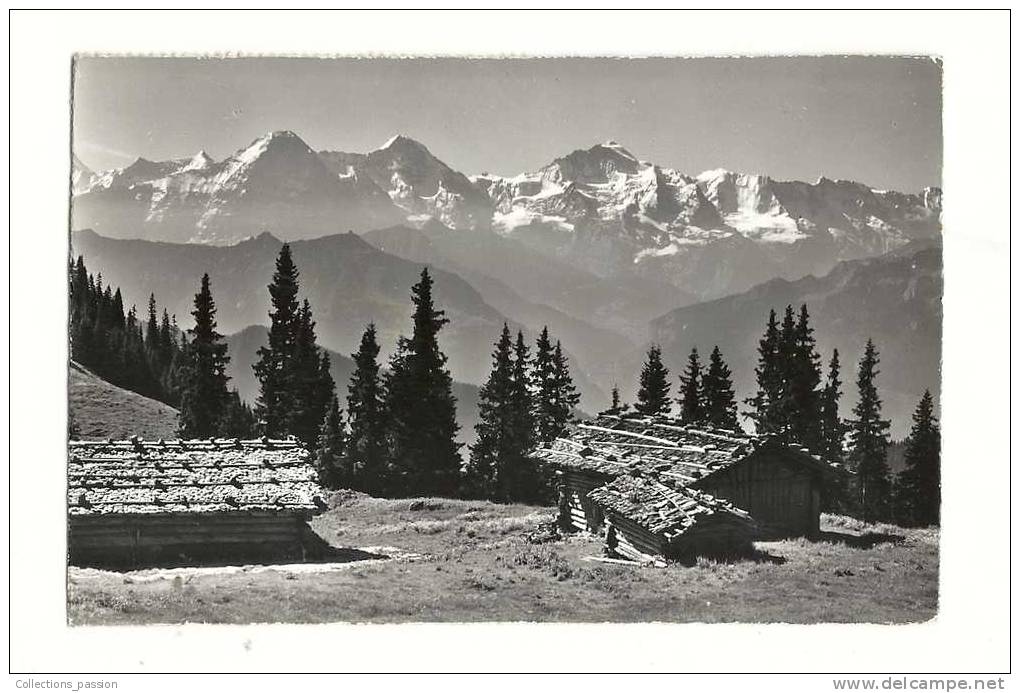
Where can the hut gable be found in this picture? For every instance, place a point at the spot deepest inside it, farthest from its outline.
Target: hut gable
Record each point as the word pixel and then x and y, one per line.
pixel 669 511
pixel 778 483
pixel 191 476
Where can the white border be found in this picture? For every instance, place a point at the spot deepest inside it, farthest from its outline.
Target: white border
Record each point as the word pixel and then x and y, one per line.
pixel 970 633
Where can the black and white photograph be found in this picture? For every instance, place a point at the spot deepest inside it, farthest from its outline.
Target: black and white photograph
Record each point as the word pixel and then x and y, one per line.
pixel 467 374
pixel 390 338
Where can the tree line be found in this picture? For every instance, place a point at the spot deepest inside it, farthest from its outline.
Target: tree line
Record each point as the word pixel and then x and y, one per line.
pixel 398 433
pixel 153 357
pixel 794 403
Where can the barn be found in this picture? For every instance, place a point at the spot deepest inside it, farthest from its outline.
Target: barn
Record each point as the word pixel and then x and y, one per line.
pixel 136 503
pixel 778 484
pixel 649 516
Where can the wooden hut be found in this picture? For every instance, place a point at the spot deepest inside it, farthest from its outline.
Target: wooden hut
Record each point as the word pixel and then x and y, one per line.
pixel 647 517
pixel 778 484
pixel 135 503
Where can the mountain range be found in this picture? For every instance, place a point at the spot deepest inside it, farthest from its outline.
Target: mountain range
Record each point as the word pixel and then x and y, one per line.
pixel 611 252
pixel 600 210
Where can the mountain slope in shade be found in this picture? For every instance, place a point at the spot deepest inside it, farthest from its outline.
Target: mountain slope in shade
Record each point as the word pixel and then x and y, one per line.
pixel 591 347
pixel 348 281
pixel 243 346
pixel 896 299
pixel 102 410
pixel 277 184
pixel 718 233
pixel 419 183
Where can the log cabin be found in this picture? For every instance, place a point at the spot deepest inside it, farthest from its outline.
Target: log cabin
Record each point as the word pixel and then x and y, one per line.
pixel 646 517
pixel 135 503
pixel 778 484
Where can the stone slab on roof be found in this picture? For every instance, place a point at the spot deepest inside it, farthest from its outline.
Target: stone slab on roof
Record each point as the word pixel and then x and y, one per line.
pixel 191 476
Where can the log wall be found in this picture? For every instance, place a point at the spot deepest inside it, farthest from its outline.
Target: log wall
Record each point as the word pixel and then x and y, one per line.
pixel 128 541
pixel 583 514
pixel 782 497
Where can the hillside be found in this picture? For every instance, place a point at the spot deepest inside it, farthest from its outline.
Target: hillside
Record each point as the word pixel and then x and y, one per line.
pixel 895 299
pixel 102 410
pixel 348 281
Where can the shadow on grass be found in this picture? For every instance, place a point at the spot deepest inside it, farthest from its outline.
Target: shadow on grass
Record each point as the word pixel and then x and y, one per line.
pixel 750 555
pixel 858 541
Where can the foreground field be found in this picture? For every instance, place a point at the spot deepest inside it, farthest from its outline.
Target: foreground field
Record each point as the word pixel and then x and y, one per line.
pixel 444 560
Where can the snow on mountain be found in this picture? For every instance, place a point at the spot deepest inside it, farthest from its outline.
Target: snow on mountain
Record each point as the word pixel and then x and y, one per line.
pixel 81 175
pixel 276 183
pixel 417 182
pixel 717 233
pixel 602 210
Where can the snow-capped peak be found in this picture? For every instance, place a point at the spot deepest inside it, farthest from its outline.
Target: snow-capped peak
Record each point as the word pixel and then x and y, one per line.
pixel 199 162
pixel 399 141
pixel 618 148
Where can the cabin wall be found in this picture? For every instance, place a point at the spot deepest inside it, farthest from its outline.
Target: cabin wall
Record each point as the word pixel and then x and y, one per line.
pixel 579 512
pixel 781 496
pixel 124 540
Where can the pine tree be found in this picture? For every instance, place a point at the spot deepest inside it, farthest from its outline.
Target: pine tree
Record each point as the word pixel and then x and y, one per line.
pixel 423 446
pixel 546 395
pixel 273 366
pixel 719 400
pixel 919 484
pixel 237 420
pixel 331 461
pixel 804 377
pixel 832 427
pixel 869 440
pixel 567 396
pixel 152 327
pixel 767 402
pixel 517 476
pixel 555 394
pixel 653 393
pixel 310 383
pixel 493 429
pixel 690 401
pixel 366 444
pixel 614 405
pixel 205 390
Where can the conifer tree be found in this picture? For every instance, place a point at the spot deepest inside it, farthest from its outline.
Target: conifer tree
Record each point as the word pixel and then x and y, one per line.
pixel 237 420
pixel 546 395
pixel 366 443
pixel 272 368
pixel 690 401
pixel 767 402
pixel 869 441
pixel 495 421
pixel 567 396
pixel 310 383
pixel 614 405
pixel 166 339
pixel 517 476
pixel 423 430
pixel 919 484
pixel 653 393
pixel 204 393
pixel 832 427
pixel 331 461
pixel 719 400
pixel 555 394
pixel 152 327
pixel 804 377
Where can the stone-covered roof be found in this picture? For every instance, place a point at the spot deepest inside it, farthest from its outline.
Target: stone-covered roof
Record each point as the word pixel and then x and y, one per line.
pixel 617 444
pixel 665 508
pixel 191 476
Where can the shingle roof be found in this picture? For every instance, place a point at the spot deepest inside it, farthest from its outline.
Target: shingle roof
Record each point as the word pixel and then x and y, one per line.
pixel 616 444
pixel 190 476
pixel 666 509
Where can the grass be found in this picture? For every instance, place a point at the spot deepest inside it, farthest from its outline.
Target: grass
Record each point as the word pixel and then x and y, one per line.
pixel 472 561
pixel 102 410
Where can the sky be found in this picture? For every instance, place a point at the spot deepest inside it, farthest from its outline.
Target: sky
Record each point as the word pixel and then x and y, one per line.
pixel 877 120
